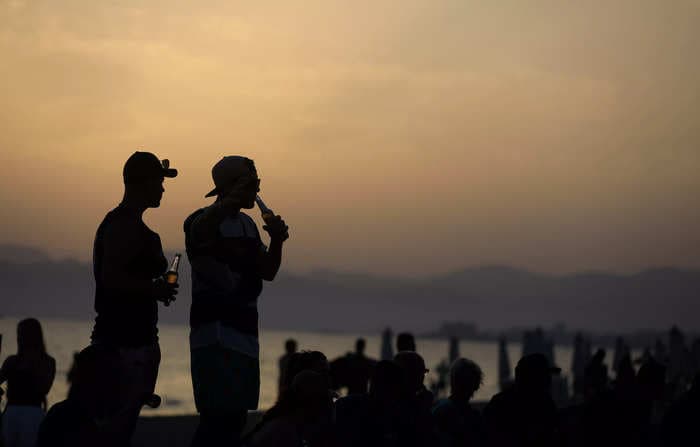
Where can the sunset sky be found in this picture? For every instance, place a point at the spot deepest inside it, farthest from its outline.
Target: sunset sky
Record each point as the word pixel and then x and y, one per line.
pixel 406 137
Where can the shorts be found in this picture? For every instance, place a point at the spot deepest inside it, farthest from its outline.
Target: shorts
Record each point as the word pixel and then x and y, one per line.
pixel 140 372
pixel 224 380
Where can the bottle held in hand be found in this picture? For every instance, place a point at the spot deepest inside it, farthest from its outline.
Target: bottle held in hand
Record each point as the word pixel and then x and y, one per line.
pixel 266 212
pixel 170 277
pixel 171 274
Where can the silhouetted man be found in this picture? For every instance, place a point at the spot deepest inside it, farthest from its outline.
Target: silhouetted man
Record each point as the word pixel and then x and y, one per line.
pixel 299 361
pixel 459 424
pixel 361 368
pixel 290 347
pixel 680 423
pixel 619 416
pixel 83 419
pixel 373 419
pixel 387 352
pixel 128 266
pixel 596 373
pixel 298 417
pixel 524 414
pixel 416 401
pixel 322 431
pixel 353 370
pixel 229 262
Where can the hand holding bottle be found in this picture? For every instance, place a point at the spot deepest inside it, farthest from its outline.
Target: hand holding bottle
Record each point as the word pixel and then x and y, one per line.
pixel 274 224
pixel 165 288
pixel 172 274
pixel 276 228
pixel 164 291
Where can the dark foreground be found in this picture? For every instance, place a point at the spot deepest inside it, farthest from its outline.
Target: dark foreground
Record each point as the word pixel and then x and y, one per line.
pixel 174 431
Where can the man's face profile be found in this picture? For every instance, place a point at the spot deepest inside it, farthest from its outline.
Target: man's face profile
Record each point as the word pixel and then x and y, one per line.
pixel 153 190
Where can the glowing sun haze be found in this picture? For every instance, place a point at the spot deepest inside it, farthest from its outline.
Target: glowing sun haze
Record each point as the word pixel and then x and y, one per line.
pixel 409 137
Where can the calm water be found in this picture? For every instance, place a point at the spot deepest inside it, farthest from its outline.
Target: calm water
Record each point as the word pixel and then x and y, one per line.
pixel 63 338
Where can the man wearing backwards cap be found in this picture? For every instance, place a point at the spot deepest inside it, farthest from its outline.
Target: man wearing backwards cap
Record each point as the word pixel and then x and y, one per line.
pixel 229 262
pixel 128 264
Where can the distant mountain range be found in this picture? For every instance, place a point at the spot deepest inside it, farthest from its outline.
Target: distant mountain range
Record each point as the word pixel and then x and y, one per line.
pixel 491 297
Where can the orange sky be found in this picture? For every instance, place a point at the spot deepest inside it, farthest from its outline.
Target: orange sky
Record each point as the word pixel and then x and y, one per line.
pixel 409 137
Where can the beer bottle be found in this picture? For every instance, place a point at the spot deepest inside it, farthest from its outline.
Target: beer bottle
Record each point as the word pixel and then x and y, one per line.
pixel 266 212
pixel 171 274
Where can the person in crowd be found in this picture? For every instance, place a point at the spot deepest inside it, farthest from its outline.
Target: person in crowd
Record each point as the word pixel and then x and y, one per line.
pixel 619 415
pixel 299 415
pixel 405 341
pixel 660 351
pixel 578 365
pixel 680 423
pixel 456 421
pixel 129 265
pixel 353 370
pixel 29 375
pixel 290 347
pixel 596 373
pixel 317 362
pixel 70 376
pixel 84 418
pixel 625 377
pixel 387 351
pixel 439 383
pixel 560 389
pixel 618 352
pixel 415 418
pixel 372 419
pixel 229 263
pixel 638 415
pixel 305 360
pixel 504 371
pixel 414 371
pixel 695 357
pixel 524 414
pixel 678 357
pixel 453 351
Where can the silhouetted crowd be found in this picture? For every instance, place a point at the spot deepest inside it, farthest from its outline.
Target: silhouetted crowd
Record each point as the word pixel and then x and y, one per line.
pixel 387 403
pixel 643 406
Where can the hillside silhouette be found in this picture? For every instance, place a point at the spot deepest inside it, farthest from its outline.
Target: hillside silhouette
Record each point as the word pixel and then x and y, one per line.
pixel 492 297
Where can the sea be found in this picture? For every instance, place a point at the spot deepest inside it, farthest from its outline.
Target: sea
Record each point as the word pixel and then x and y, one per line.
pixel 65 337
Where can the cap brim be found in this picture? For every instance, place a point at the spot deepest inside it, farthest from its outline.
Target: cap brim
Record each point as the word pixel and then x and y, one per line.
pixel 212 193
pixel 170 173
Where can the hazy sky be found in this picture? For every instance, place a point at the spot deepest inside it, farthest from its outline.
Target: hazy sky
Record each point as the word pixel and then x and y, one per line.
pixel 413 136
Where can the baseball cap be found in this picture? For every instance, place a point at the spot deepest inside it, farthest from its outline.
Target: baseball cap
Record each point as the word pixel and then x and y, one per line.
pixel 227 170
pixel 144 166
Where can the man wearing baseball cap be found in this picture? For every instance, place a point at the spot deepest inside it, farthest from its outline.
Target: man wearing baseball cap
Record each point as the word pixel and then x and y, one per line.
pixel 229 262
pixel 129 264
